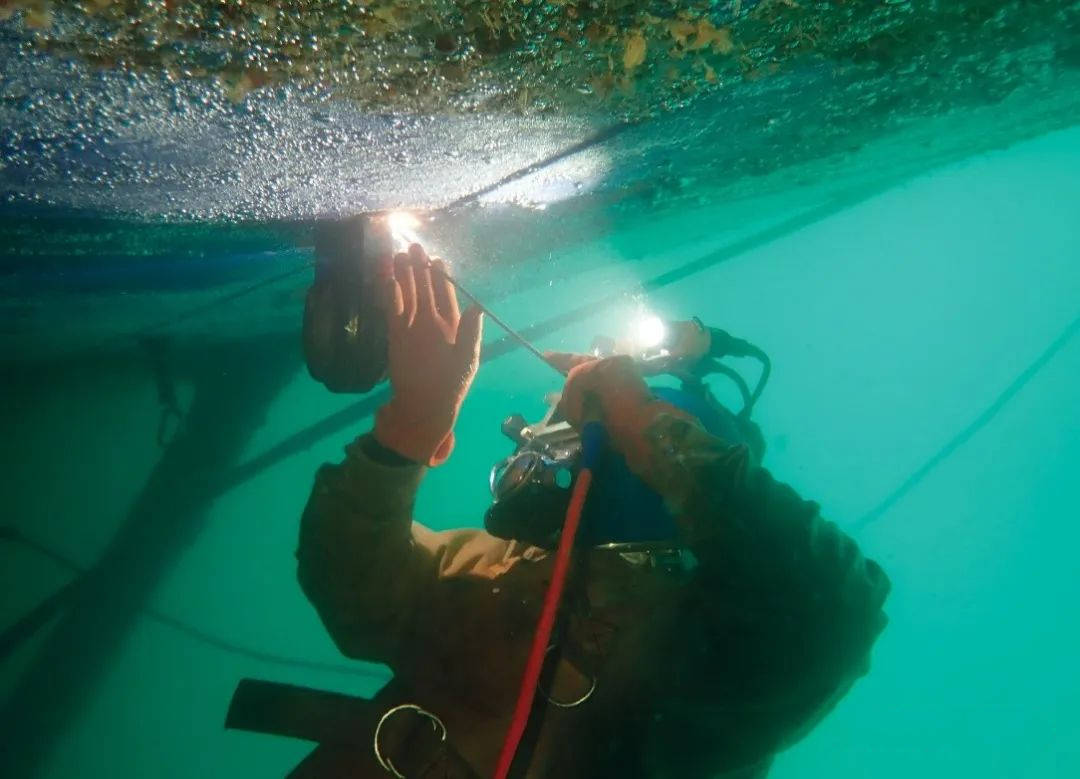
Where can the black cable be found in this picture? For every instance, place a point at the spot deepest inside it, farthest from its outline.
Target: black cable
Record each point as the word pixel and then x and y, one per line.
pixel 40 615
pixel 594 140
pixel 724 344
pixel 29 624
pixel 715 366
pixel 216 302
pixel 157 351
pixel 976 425
pixel 13 535
pixel 763 379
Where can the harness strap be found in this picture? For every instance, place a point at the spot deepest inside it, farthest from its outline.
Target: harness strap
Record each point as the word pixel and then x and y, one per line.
pixel 346 728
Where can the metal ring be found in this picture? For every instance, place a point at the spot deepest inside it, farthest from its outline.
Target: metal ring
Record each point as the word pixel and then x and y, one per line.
pixel 532 460
pixel 496 472
pixel 436 723
pixel 569 704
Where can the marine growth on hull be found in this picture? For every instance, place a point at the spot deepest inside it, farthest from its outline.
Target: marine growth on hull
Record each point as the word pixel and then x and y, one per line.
pixel 623 58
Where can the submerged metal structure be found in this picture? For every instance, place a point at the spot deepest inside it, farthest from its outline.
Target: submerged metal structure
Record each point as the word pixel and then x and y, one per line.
pixel 233 386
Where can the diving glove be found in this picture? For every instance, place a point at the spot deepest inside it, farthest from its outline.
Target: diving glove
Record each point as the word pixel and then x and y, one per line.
pixel 625 403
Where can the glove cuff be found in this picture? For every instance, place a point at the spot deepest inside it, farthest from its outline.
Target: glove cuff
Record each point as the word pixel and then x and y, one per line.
pixel 427 440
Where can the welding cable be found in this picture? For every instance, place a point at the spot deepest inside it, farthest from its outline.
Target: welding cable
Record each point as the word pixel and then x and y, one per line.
pixel 592 444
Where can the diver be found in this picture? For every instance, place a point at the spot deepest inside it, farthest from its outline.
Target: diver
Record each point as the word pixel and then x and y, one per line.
pixel 710 618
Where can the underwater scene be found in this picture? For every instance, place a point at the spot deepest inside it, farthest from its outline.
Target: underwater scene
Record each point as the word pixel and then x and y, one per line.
pixel 540 389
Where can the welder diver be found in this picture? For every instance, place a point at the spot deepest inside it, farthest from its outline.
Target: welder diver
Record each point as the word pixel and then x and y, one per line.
pixel 700 655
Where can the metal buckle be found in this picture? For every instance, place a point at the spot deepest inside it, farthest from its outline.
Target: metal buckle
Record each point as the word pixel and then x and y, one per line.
pixel 436 724
pixel 568 704
pixel 669 560
pixel 661 556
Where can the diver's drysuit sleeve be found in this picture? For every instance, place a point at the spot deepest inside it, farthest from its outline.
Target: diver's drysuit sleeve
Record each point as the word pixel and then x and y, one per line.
pixel 357 562
pixel 365 565
pixel 789 600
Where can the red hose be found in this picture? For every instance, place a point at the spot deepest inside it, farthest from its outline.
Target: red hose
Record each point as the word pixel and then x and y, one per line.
pixel 544 627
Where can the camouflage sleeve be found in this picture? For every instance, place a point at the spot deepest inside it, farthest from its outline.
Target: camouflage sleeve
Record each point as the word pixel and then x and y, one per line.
pixel 804 602
pixel 366 566
pixel 356 559
pixel 734 515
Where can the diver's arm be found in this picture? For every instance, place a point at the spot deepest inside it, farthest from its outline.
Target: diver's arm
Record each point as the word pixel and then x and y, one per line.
pixel 734 516
pixel 807 605
pixel 775 578
pixel 363 562
pixel 366 566
pixel 358 564
pixel 737 518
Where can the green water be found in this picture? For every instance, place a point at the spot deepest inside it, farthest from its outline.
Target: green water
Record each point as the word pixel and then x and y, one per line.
pixel 898 227
pixel 893 325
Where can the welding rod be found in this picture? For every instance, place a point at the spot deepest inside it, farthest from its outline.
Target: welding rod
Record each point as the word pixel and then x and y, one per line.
pixel 509 330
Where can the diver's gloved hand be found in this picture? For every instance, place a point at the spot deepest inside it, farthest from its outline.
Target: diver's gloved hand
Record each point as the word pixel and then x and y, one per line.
pixel 614 388
pixel 434 352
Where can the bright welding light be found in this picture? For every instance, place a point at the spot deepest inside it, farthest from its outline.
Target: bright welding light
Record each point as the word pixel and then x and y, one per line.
pixel 650 332
pixel 403 226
